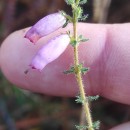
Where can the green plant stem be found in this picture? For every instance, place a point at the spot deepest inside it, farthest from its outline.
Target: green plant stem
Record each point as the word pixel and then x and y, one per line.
pixel 77 2
pixel 80 81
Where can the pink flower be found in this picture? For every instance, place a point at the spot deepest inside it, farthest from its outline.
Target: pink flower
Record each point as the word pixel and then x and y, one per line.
pixel 45 26
pixel 50 51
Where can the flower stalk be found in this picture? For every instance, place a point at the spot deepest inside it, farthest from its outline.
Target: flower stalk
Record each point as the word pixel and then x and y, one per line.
pixel 78 73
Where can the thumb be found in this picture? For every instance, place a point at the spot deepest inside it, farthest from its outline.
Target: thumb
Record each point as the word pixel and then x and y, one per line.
pixel 107 53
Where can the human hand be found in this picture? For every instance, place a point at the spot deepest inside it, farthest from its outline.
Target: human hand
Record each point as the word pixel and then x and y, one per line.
pixel 107 53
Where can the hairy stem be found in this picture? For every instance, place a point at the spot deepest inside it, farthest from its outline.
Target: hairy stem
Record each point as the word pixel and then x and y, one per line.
pixel 77 2
pixel 79 78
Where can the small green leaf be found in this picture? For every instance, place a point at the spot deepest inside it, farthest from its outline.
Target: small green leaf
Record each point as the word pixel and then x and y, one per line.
pixel 96 125
pixel 81 127
pixel 73 42
pixel 93 98
pixel 80 36
pixel 79 100
pixel 68 17
pixel 83 17
pixel 68 72
pixel 79 12
pixel 70 2
pixel 82 2
pixel 84 70
pixel 84 40
pixel 72 70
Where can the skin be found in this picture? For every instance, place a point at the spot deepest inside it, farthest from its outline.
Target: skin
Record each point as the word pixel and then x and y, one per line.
pixel 107 53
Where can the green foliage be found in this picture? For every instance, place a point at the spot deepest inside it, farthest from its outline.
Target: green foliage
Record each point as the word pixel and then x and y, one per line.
pixel 77 10
pixel 93 98
pixel 90 98
pixel 73 42
pixel 70 71
pixel 70 2
pixel 79 99
pixel 68 17
pixel 83 17
pixel 82 69
pixel 81 127
pixel 82 39
pixel 96 125
pixel 79 68
pixel 82 2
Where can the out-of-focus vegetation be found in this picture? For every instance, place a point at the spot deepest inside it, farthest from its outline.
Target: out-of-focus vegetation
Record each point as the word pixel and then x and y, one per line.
pixel 24 110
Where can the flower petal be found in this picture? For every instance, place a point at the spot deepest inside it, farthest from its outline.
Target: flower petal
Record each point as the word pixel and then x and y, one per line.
pixel 45 26
pixel 50 51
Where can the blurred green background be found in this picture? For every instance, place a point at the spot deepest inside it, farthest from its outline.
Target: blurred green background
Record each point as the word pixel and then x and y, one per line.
pixel 24 110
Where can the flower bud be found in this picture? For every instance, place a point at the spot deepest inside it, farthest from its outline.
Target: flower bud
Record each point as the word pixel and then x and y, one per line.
pixel 50 51
pixel 45 26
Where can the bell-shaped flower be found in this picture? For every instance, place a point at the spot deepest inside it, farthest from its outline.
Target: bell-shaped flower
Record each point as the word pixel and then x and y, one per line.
pixel 50 51
pixel 45 26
